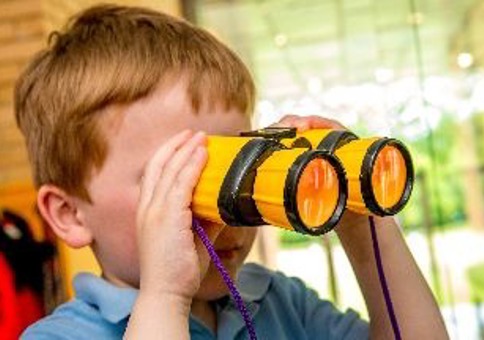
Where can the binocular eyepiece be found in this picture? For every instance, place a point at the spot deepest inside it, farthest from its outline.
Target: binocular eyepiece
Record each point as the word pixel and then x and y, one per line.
pixel 301 181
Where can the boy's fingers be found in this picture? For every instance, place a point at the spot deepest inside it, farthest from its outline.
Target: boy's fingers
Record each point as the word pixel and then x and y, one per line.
pixel 184 157
pixel 285 121
pixel 213 231
pixel 182 189
pixel 309 122
pixel 155 166
pixel 316 122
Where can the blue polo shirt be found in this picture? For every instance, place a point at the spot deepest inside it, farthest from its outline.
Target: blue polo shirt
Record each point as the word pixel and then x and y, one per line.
pixel 282 308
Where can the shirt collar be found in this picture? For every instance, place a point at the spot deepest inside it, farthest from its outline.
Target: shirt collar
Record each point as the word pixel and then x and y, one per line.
pixel 115 303
pixel 253 282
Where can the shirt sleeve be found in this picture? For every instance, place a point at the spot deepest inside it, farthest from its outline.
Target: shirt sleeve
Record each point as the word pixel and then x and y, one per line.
pixel 322 320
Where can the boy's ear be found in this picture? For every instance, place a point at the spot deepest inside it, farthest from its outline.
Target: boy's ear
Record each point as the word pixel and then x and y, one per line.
pixel 60 210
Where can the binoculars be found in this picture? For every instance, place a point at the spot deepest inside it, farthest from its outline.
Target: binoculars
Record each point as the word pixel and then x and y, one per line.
pixel 301 181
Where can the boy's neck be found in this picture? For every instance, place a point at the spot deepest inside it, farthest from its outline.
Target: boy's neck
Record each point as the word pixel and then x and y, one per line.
pixel 205 312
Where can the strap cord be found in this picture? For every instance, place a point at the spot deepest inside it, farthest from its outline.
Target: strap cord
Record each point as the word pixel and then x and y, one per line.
pixel 249 323
pixel 383 280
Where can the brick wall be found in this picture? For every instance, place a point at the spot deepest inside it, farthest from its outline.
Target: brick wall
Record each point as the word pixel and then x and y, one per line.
pixel 21 35
pixel 58 11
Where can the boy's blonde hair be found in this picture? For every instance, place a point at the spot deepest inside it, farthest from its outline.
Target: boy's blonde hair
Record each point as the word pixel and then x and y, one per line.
pixel 114 55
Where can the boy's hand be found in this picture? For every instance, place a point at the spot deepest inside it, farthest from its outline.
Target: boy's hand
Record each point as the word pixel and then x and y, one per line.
pixel 309 122
pixel 172 262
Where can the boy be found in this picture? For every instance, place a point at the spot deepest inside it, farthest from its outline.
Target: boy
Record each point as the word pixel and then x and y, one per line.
pixel 112 113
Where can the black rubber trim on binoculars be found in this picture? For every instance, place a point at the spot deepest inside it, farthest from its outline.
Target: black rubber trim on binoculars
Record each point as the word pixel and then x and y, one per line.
pixel 272 132
pixel 366 177
pixel 235 203
pixel 291 186
pixel 336 139
pixel 330 143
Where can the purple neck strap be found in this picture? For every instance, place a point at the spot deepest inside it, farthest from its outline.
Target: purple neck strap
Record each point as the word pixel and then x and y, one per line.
pixel 383 281
pixel 226 277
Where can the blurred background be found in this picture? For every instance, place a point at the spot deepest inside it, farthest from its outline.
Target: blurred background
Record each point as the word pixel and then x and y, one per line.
pixel 410 69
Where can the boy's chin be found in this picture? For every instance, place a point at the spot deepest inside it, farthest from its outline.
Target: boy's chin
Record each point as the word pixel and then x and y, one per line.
pixel 212 288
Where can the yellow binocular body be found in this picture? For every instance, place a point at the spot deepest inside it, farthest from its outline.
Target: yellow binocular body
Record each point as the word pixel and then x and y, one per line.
pixel 301 182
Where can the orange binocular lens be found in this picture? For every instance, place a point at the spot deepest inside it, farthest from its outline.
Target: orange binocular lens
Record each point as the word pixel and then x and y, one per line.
pixel 317 193
pixel 389 177
pixel 303 189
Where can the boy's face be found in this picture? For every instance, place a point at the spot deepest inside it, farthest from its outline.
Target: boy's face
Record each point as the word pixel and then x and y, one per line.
pixel 132 137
